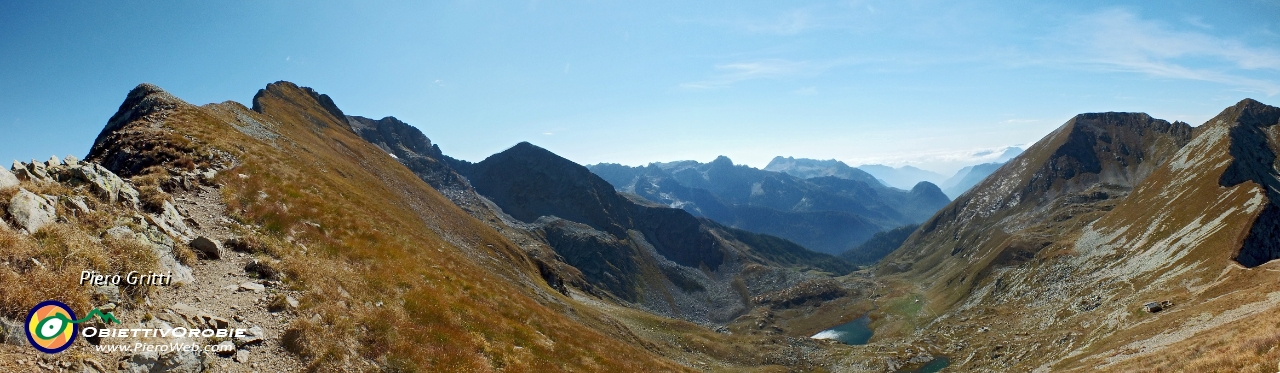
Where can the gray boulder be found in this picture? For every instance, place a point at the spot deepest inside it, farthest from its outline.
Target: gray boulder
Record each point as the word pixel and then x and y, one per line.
pixel 31 211
pixel 105 183
pixel 206 248
pixel 162 246
pixel 226 348
pixel 181 274
pixel 172 223
pixel 119 233
pixel 254 336
pixel 7 179
pixel 38 170
pixel 79 203
pixel 11 332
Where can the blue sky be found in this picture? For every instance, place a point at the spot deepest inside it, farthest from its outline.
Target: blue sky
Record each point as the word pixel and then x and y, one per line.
pixel 927 83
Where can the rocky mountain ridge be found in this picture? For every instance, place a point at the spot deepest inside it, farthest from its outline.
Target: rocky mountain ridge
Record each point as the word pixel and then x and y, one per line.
pixel 826 214
pixel 608 240
pixel 1107 213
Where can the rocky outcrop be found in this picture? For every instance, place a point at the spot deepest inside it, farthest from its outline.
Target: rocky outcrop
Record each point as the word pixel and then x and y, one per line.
pixel 413 149
pixel 807 292
pixel 31 211
pixel 101 181
pixel 11 332
pixel 135 138
pixel 7 179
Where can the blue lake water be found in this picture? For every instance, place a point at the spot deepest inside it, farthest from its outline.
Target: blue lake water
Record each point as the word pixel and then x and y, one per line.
pixel 934 366
pixel 854 332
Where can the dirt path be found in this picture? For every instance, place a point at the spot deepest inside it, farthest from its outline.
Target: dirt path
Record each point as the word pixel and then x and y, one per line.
pixel 217 291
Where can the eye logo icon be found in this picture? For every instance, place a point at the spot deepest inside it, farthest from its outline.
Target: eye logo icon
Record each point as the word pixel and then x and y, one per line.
pixel 51 327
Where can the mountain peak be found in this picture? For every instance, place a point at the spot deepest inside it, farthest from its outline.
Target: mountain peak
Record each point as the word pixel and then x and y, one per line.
pixel 722 160
pixel 286 90
pixel 925 187
pixel 142 100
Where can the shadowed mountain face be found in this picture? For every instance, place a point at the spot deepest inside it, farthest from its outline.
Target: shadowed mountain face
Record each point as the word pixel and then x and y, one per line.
pixel 1109 212
pixel 640 253
pixel 529 182
pixel 829 214
pixel 410 147
pixel 1010 215
pixel 1254 145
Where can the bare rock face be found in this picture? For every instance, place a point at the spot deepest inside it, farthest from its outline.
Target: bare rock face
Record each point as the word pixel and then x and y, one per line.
pixel 101 181
pixel 171 222
pixel 181 274
pixel 31 211
pixel 7 179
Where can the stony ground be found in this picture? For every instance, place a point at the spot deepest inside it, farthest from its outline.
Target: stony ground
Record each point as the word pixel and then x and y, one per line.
pixel 223 289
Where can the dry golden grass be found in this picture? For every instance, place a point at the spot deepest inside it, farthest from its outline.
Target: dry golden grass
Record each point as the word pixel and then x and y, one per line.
pixel 150 191
pixel 47 264
pixel 361 235
pixel 1251 344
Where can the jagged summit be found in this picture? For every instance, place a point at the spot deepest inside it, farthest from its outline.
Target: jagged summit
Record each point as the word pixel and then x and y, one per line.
pixel 283 90
pixel 143 100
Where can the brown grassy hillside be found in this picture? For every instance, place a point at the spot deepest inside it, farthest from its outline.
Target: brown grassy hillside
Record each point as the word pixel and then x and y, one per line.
pixel 396 277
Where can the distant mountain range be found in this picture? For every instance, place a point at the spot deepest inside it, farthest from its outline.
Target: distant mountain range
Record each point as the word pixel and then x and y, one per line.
pixel 602 241
pixel 829 214
pixel 1117 243
pixel 901 177
pixel 905 177
pixel 968 177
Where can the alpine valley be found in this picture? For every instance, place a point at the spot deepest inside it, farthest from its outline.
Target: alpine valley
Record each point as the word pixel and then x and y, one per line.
pixel 1118 242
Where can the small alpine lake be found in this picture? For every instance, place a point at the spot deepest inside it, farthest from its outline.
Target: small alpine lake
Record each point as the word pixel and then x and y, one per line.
pixel 933 366
pixel 855 332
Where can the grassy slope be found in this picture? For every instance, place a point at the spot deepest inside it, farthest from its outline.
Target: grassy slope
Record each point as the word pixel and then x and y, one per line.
pixel 369 245
pixel 1171 239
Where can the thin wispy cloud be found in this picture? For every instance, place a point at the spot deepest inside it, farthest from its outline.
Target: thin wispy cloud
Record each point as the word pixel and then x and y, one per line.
pixel 936 159
pixel 730 73
pixel 1118 40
